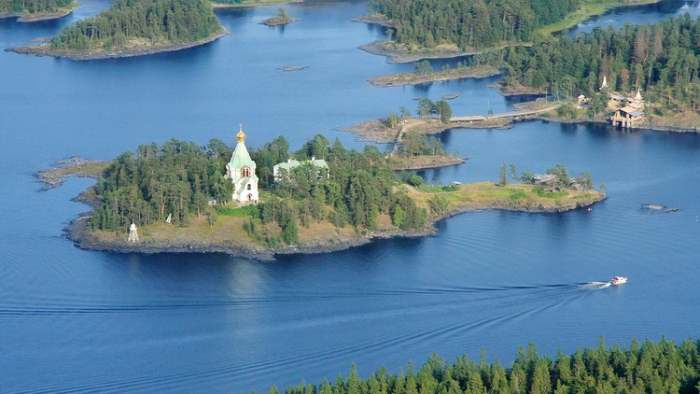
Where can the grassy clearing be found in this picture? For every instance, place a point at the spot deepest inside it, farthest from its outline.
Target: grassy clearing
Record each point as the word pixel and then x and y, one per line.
pixel 237 212
pixel 420 162
pixel 485 195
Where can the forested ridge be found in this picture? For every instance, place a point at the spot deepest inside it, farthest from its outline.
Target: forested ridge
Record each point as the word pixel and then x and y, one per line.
pixel 649 367
pixel 662 60
pixel 141 23
pixel 470 24
pixel 32 6
pixel 180 178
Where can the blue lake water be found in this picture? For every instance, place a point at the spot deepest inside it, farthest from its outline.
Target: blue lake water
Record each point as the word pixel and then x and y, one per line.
pixel 73 320
pixel 643 14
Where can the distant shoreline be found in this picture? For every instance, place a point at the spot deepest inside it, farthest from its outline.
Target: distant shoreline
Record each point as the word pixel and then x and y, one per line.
pixel 45 50
pixel 260 3
pixel 400 53
pixel 24 17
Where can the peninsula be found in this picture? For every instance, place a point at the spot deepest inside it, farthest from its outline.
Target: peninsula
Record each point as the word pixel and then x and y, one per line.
pixel 321 198
pixel 436 117
pixel 27 11
pixel 425 73
pixel 122 31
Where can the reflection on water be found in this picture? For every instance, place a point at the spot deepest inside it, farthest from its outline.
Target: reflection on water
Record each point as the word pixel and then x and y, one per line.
pixel 90 321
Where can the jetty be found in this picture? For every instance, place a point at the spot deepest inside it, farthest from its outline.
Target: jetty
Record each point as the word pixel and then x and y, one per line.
pixel 503 119
pixel 510 115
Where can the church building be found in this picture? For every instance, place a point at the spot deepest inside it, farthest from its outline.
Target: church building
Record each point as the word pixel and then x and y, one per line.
pixel 241 171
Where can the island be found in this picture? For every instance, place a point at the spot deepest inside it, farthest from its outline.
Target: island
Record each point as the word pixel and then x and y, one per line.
pixel 182 197
pixel 122 31
pixel 424 73
pixel 422 29
pixel 27 11
pixel 281 19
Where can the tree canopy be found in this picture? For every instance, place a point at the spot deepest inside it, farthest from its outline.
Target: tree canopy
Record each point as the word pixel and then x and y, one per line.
pixel 663 60
pixel 182 178
pixel 649 367
pixel 470 24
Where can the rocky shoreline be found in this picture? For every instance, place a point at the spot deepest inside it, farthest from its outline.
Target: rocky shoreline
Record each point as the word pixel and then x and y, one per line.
pixel 72 166
pixel 394 55
pixel 45 50
pixel 78 233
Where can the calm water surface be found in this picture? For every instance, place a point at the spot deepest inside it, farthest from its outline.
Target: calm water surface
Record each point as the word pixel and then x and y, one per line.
pixel 72 320
pixel 644 14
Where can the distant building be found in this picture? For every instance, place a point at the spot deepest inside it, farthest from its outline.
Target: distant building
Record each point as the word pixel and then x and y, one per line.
pixel 282 170
pixel 133 234
pixel 582 101
pixel 241 171
pixel 628 111
pixel 548 181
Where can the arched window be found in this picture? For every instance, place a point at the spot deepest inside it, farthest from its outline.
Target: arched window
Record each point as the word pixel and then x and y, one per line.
pixel 246 172
pixel 250 187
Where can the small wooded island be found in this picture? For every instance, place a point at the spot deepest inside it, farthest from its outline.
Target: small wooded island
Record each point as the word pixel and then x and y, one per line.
pixel 36 10
pixel 181 197
pixel 281 19
pixel 131 28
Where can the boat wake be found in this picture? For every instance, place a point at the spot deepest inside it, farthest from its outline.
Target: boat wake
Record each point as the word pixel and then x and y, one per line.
pixel 595 285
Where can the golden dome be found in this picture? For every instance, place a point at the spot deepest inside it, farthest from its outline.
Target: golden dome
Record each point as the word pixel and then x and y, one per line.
pixel 240 136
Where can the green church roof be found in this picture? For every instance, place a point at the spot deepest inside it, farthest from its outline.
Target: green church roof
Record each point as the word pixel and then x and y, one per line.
pixel 240 157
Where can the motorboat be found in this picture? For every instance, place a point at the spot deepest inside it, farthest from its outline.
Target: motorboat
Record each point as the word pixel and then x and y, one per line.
pixel 618 280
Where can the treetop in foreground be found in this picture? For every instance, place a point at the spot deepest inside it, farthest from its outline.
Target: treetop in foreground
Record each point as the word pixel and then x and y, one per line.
pixel 649 367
